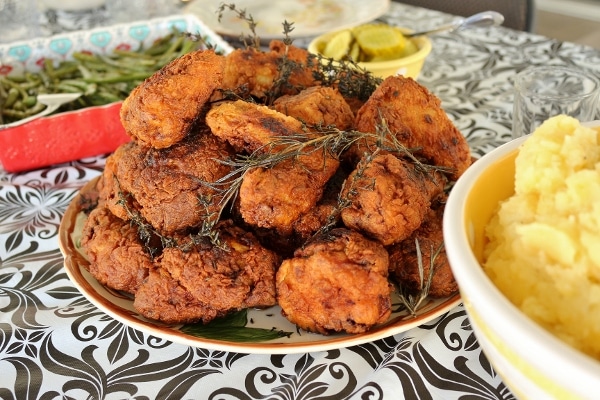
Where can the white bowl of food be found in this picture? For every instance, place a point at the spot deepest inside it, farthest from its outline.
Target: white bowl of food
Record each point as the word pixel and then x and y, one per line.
pixel 519 231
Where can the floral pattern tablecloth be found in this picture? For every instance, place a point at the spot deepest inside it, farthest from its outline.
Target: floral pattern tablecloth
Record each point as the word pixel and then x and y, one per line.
pixel 54 344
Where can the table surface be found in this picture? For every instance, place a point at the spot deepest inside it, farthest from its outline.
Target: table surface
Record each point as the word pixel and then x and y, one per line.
pixel 54 343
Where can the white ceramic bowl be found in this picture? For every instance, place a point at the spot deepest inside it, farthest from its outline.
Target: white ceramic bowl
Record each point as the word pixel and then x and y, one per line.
pixel 532 362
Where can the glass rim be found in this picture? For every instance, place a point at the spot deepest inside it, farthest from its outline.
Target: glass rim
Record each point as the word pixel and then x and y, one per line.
pixel 549 69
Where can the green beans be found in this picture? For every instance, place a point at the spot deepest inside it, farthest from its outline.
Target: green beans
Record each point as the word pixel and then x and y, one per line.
pixel 102 79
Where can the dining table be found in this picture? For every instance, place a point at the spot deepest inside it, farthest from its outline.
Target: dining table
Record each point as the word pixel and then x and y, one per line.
pixel 56 344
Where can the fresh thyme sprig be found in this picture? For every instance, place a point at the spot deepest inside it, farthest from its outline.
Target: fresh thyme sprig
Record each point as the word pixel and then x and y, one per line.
pixel 411 301
pixel 251 40
pixel 326 139
pixel 346 195
pixel 351 79
pixel 146 232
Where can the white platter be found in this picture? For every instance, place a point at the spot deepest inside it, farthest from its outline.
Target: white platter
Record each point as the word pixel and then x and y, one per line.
pixel 120 307
pixel 310 17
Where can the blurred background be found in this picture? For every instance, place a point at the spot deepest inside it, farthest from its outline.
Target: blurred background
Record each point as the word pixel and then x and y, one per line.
pixel 571 20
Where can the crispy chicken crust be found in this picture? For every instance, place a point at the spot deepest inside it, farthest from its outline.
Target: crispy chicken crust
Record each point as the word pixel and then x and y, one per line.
pixel 415 117
pixel 166 186
pixel 206 282
pixel 276 197
pixel 392 198
pixel 249 126
pixel 317 106
pixel 116 254
pixel 162 110
pixel 336 283
pixel 252 72
pixel 404 262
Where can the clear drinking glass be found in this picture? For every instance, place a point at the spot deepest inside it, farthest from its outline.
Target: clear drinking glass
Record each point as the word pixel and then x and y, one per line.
pixel 543 92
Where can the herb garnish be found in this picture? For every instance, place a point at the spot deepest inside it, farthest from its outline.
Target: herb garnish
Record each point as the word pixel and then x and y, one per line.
pixel 232 327
pixel 412 301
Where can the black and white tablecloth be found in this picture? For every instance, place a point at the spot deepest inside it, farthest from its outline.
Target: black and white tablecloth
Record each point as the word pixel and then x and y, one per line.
pixel 54 344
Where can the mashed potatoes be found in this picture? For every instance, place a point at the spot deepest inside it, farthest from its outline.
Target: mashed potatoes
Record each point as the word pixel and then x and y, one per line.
pixel 544 250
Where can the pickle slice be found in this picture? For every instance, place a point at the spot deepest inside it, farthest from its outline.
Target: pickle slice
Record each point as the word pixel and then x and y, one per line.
pixel 338 46
pixel 409 49
pixel 355 54
pixel 380 41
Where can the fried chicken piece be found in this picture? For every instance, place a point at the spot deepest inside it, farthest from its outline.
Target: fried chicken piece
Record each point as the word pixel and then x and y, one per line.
pixel 116 200
pixel 253 72
pixel 325 212
pixel 323 215
pixel 317 106
pixel 162 298
pixel 276 197
pixel 336 283
pixel 415 117
pixel 208 281
pixel 390 197
pixel 168 186
pixel 116 254
pixel 249 126
pixel 302 70
pixel 162 110
pixel 404 265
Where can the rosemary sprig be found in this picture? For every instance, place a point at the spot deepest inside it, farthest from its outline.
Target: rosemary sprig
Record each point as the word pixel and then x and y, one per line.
pixel 412 302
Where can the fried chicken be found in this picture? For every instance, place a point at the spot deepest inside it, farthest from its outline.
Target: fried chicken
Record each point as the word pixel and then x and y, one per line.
pixel 162 110
pixel 390 197
pixel 317 106
pixel 208 281
pixel 276 197
pixel 302 68
pixel 116 254
pixel 168 186
pixel 252 72
pixel 404 265
pixel 324 215
pixel 249 126
pixel 414 116
pixel 336 283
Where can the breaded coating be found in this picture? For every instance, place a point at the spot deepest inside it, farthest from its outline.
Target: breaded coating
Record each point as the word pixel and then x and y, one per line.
pixel 110 191
pixel 253 72
pixel 323 214
pixel 208 281
pixel 162 298
pixel 336 283
pixel 391 197
pixel 168 186
pixel 317 106
pixel 249 126
pixel 276 197
pixel 302 73
pixel 116 254
pixel 415 117
pixel 404 266
pixel 162 110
